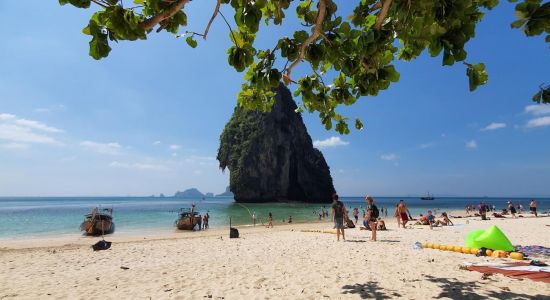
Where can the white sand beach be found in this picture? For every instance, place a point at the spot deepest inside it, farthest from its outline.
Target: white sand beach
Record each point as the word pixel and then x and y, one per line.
pixel 279 263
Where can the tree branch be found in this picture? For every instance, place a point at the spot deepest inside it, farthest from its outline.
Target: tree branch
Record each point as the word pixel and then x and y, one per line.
pixel 216 10
pixel 154 20
pixel 382 14
pixel 99 3
pixel 316 32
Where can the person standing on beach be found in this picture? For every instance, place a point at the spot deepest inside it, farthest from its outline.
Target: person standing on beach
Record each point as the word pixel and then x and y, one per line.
pixel 269 220
pixel 254 218
pixel 533 207
pixel 403 212
pixel 512 209
pixel 338 211
pixel 372 215
pixel 397 216
pixel 356 215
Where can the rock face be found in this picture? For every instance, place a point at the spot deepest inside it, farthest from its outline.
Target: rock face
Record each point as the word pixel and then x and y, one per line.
pixel 227 193
pixel 270 156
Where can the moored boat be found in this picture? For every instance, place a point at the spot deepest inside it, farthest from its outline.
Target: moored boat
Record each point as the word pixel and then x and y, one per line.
pixel 427 197
pixel 188 219
pixel 98 222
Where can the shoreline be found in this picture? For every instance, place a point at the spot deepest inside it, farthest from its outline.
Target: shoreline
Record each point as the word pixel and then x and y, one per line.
pixel 297 261
pixel 54 240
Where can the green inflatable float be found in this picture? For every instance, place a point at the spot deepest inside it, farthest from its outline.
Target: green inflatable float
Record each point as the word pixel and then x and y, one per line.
pixel 471 238
pixel 492 238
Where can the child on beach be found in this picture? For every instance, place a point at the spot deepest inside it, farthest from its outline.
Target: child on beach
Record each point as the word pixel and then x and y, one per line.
pixel 356 215
pixel 403 212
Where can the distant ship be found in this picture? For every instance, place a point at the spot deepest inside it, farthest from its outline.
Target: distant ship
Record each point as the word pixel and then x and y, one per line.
pixel 427 197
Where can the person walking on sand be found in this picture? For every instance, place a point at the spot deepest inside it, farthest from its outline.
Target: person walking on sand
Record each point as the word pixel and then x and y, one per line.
pixel 403 212
pixel 372 215
pixel 338 212
pixel 397 216
pixel 533 207
pixel 269 220
pixel 512 209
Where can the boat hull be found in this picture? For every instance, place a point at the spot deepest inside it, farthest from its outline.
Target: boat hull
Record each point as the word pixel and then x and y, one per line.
pixel 97 227
pixel 188 223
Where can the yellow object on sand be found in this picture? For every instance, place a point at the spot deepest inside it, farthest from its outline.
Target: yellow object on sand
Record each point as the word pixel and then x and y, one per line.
pixel 516 255
pixel 424 245
pixel 499 253
pixel 429 245
pixel 465 250
pixel 488 252
pixel 457 249
pixel 435 246
pixel 474 251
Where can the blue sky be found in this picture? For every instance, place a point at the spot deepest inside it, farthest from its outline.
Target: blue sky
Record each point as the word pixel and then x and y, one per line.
pixel 147 119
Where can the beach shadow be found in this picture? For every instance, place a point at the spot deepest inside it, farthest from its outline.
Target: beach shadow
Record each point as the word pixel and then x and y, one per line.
pixel 356 241
pixel 389 241
pixel 456 289
pixel 369 290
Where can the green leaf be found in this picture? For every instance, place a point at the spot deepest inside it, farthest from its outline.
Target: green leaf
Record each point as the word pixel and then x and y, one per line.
pixel 77 3
pixel 358 124
pixel 369 21
pixel 191 42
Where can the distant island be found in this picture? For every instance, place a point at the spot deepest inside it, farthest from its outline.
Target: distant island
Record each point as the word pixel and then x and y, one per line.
pixel 195 193
pixel 189 193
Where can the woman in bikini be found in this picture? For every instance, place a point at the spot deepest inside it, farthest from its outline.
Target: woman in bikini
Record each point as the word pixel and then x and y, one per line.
pixel 403 212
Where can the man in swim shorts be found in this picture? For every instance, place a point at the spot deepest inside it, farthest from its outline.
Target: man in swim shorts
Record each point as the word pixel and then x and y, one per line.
pixel 403 212
pixel 338 211
pixel 533 207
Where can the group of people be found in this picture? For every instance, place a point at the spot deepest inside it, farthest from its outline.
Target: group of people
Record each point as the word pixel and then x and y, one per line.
pixel 511 209
pixel 372 219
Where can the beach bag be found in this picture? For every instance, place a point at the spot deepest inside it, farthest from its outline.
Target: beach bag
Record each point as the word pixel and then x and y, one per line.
pixel 101 245
pixel 233 233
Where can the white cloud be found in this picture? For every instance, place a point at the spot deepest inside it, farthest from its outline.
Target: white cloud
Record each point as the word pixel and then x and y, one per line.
pixel 538 109
pixel 20 130
pixel 155 143
pixel 103 148
pixel 15 146
pixel 330 142
pixel 59 107
pixel 494 126
pixel 471 144
pixel 138 166
pixel 539 122
pixel 389 156
pixel 426 145
pixel 175 147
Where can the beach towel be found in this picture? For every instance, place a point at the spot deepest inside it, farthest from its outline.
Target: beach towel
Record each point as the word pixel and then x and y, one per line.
pixel 534 251
pixel 513 270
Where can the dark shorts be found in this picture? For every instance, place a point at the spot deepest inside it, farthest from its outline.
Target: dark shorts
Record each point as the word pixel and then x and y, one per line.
pixel 339 223
pixel 533 209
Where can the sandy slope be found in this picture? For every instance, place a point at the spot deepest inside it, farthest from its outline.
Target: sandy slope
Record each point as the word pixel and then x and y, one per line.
pixel 280 263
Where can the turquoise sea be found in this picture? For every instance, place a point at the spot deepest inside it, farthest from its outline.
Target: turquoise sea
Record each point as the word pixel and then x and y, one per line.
pixel 33 217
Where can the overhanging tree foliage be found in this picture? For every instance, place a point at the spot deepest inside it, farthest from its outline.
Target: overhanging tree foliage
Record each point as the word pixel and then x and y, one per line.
pixel 361 48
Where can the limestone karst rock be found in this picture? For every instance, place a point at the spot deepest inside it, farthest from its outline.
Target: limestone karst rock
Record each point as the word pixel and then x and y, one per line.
pixel 271 157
